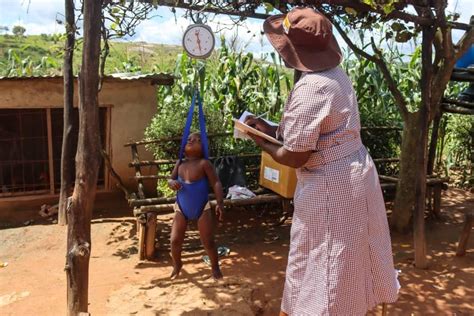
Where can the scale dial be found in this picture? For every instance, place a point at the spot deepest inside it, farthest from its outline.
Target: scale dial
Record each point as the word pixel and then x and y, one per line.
pixel 198 41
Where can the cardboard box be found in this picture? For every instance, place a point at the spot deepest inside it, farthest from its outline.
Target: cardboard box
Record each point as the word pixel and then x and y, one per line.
pixel 277 177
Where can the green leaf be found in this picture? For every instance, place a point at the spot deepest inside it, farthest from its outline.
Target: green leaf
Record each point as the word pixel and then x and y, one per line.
pixel 403 37
pixel 388 8
pixel 369 2
pixel 350 11
pixel 397 26
pixel 268 7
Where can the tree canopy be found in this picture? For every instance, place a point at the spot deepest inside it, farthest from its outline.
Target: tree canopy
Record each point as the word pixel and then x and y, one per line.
pixel 18 30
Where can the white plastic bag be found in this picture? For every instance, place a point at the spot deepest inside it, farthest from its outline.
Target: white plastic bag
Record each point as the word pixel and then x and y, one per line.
pixel 237 192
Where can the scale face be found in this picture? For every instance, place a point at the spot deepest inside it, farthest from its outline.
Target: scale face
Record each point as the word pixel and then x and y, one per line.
pixel 198 41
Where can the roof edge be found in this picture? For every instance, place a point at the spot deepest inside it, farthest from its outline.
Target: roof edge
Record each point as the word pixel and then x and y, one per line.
pixel 163 79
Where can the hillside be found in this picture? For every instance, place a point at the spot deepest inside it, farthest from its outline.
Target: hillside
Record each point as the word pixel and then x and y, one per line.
pixel 43 54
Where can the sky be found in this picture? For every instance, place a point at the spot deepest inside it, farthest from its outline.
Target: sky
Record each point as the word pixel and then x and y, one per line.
pixel 39 16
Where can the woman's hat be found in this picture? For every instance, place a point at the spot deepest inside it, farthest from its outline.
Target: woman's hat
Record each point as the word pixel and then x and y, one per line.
pixel 303 38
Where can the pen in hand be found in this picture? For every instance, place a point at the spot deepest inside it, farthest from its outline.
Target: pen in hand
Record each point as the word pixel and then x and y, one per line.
pixel 258 117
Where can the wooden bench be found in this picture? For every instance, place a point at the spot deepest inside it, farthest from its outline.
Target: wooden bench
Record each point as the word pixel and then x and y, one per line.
pixel 434 184
pixel 145 209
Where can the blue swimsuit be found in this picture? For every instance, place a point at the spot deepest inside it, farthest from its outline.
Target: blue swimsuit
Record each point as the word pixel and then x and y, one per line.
pixel 192 197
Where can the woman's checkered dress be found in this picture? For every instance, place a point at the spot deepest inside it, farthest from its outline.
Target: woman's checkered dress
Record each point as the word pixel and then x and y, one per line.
pixel 340 260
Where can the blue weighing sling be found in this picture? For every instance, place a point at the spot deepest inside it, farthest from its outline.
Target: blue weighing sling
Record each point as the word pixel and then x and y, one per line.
pixel 193 197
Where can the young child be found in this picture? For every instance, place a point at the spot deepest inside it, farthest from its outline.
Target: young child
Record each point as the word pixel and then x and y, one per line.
pixel 191 178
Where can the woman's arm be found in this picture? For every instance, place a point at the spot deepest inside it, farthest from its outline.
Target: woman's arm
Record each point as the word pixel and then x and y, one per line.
pixel 281 154
pixel 304 114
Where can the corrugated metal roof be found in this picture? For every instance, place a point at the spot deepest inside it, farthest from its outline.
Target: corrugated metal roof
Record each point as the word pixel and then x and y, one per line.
pixel 132 76
pixel 31 77
pixel 155 78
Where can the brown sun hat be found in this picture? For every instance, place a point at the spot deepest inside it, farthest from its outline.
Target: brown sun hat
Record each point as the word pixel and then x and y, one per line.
pixel 304 39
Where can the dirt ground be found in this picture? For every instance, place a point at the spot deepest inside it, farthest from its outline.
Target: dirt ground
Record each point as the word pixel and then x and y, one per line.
pixel 34 282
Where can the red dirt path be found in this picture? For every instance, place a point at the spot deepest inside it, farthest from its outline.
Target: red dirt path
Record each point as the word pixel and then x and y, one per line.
pixel 34 282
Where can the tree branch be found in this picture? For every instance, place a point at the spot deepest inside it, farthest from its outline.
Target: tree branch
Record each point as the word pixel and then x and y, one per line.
pixel 247 9
pixel 378 60
pixel 408 18
pixel 125 18
pixel 227 9
pixel 105 51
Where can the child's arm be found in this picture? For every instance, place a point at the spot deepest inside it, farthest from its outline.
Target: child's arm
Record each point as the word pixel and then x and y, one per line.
pixel 216 186
pixel 172 182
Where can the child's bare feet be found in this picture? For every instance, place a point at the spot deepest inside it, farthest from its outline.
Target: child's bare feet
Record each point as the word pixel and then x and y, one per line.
pixel 217 274
pixel 176 271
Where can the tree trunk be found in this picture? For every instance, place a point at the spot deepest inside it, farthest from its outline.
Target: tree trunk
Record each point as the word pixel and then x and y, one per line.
pixel 471 182
pixel 405 196
pixel 434 143
pixel 421 151
pixel 419 239
pixel 87 165
pixel 411 189
pixel 67 151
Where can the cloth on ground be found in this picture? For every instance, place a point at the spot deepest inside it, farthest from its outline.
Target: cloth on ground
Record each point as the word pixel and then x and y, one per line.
pixel 237 192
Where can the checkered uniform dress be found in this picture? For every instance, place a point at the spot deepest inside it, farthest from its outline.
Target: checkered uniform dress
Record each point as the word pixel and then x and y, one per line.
pixel 340 260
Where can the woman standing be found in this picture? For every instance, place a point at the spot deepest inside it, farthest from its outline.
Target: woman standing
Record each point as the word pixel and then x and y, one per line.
pixel 340 259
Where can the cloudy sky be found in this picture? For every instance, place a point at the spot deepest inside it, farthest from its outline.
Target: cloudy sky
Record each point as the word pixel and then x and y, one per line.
pixel 39 16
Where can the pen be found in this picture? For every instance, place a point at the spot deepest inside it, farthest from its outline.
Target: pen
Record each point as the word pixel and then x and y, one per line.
pixel 259 117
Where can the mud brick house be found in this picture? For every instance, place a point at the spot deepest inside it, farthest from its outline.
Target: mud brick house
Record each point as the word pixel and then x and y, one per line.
pixel 31 128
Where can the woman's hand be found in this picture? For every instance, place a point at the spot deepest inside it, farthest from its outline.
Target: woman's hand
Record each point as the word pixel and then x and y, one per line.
pixel 259 141
pixel 260 124
pixel 174 185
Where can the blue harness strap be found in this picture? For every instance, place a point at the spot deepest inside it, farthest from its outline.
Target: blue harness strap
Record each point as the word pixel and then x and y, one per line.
pixel 202 127
pixel 192 197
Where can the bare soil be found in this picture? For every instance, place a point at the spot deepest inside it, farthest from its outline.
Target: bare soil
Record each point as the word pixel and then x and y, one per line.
pixel 34 282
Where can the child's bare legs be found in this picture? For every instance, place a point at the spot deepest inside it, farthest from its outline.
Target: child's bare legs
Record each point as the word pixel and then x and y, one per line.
pixel 177 238
pixel 206 232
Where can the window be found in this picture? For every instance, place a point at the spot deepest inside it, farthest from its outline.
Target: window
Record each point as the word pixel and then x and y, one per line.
pixel 27 152
pixel 23 152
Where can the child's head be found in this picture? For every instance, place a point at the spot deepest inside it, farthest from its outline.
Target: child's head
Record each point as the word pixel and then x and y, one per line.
pixel 193 148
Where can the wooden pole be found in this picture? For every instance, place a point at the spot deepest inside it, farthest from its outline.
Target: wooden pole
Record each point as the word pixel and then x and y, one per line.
pixel 138 173
pixel 67 150
pixel 50 151
pixel 87 165
pixel 141 230
pixel 150 234
pixel 421 151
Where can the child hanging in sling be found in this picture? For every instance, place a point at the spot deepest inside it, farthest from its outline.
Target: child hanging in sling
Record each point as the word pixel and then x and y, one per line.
pixel 191 178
